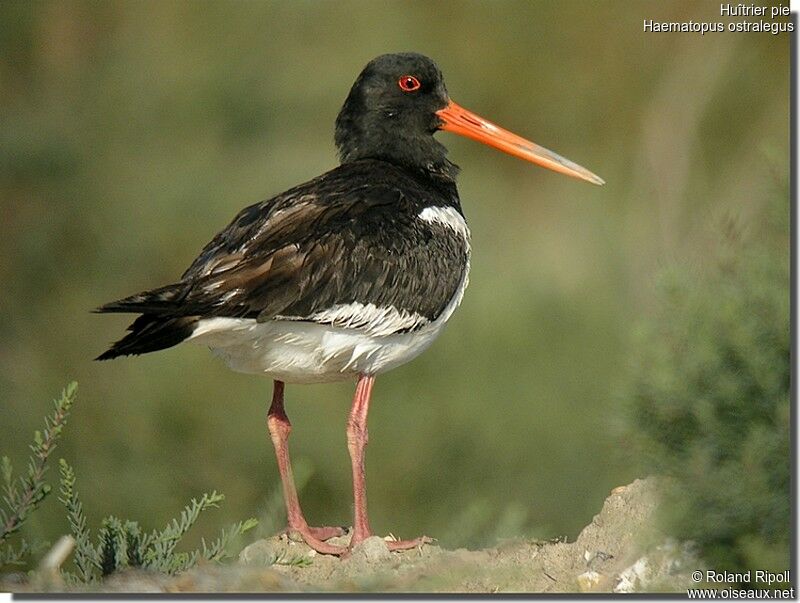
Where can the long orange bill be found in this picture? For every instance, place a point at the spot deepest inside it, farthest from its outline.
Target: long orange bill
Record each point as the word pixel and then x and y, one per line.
pixel 458 120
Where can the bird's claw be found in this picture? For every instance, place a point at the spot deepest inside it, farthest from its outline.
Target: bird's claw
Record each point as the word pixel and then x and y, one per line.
pixel 320 533
pixel 404 545
pixel 314 538
pixel 311 537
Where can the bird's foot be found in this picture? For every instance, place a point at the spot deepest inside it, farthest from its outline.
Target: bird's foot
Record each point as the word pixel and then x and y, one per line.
pixel 393 544
pixel 404 545
pixel 323 532
pixel 315 537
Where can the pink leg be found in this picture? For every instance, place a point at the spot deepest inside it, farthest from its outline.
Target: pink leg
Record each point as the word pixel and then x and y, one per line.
pixel 279 429
pixel 357 438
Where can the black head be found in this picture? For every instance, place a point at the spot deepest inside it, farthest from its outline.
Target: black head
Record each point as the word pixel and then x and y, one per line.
pixel 399 102
pixel 390 114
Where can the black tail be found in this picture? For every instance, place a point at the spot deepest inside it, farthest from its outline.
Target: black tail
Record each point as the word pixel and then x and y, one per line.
pixel 157 328
pixel 163 300
pixel 151 332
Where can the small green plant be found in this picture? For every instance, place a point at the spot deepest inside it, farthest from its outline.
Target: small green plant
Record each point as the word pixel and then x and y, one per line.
pixel 123 544
pixel 23 495
pixel 120 543
pixel 710 397
pixel 290 560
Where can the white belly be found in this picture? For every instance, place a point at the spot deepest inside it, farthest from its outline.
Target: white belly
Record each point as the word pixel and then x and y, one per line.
pixel 306 352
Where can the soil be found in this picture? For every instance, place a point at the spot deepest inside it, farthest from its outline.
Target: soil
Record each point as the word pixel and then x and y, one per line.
pixel 619 551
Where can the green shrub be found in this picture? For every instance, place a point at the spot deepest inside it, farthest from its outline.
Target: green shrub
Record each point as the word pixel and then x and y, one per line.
pixel 710 396
pixel 124 544
pixel 22 495
pixel 120 544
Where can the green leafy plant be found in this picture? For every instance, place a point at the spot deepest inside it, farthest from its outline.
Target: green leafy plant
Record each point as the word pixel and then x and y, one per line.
pixel 290 560
pixel 23 495
pixel 710 397
pixel 121 544
pixel 84 551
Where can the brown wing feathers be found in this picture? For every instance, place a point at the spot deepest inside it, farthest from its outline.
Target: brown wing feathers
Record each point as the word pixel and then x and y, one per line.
pixel 350 239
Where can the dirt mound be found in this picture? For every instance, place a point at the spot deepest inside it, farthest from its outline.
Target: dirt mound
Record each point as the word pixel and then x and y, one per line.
pixel 619 551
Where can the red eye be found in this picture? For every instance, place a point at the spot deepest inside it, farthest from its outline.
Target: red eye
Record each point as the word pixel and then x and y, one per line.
pixel 408 83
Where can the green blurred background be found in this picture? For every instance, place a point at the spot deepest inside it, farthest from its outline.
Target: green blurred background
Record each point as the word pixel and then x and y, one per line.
pixel 133 131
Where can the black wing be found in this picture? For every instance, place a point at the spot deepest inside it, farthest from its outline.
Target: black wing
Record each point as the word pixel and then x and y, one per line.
pixel 347 236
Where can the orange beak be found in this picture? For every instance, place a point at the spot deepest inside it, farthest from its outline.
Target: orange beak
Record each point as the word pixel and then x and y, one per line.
pixel 460 121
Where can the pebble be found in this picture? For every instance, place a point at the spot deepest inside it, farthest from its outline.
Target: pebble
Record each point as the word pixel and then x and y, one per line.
pixel 371 550
pixel 593 581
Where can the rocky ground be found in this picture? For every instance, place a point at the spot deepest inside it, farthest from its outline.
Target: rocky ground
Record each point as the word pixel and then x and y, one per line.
pixel 619 551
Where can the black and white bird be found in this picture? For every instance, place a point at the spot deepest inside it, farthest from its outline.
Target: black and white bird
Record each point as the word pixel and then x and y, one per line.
pixel 346 276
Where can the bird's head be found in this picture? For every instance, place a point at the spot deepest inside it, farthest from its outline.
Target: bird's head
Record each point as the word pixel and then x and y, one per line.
pixel 398 103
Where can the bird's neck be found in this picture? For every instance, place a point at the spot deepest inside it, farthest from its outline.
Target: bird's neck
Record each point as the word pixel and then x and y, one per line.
pixel 357 137
pixel 427 157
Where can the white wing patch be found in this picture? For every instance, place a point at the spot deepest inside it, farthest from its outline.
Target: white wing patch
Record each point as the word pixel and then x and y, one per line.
pixel 370 318
pixel 447 216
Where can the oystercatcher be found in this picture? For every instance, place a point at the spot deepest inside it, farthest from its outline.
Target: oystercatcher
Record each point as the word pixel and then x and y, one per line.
pixel 346 276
